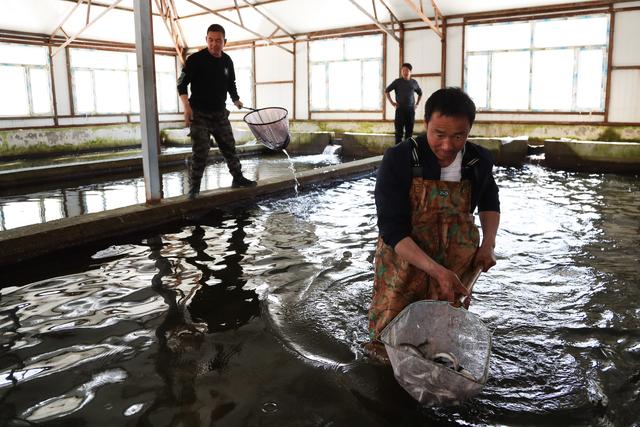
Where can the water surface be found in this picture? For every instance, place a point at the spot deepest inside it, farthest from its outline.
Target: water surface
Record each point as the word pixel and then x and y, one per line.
pixel 68 200
pixel 255 315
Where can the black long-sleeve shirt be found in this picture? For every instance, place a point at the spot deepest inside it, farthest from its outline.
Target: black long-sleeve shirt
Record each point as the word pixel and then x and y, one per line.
pixel 394 178
pixel 210 78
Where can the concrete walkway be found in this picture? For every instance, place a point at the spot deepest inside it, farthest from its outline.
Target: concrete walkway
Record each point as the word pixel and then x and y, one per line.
pixel 31 241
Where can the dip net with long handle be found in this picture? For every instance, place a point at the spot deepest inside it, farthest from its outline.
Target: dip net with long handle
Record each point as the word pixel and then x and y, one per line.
pixel 270 126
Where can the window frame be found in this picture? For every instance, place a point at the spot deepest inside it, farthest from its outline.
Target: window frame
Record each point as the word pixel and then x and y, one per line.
pixel 92 70
pixel 361 61
pixel 26 68
pixel 532 50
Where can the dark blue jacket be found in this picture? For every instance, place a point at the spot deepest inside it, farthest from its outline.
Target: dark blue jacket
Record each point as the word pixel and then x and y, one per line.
pixel 394 183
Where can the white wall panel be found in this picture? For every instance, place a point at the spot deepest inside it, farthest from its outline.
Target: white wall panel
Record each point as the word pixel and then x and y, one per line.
pixel 423 49
pixel 273 64
pixel 90 120
pixel 302 82
pixel 626 38
pixel 624 105
pixel 454 57
pixel 59 64
pixel 551 118
pixel 392 69
pixel 13 123
pixel 347 116
pixel 428 86
pixel 275 95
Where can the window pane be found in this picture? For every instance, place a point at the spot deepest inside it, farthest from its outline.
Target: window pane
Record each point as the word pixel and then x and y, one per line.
pixel 167 94
pixel 510 80
pixel 552 80
pixel 581 31
pixel 23 55
pixel 84 58
pixel 476 79
pixel 40 90
pixel 590 79
pixel 241 58
pixel 165 63
pixel 112 91
pixel 326 50
pixel 133 92
pixel 363 47
pixel 244 85
pixel 345 85
pixel 318 81
pixel 83 91
pixel 13 87
pixel 372 85
pixel 498 37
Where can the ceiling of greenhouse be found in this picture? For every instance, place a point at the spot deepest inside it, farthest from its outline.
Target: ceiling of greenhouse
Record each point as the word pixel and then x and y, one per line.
pixel 253 19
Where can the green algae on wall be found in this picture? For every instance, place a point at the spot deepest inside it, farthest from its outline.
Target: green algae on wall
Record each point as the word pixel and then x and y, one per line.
pixel 42 148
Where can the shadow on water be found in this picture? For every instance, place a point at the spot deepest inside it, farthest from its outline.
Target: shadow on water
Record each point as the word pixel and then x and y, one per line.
pixel 255 315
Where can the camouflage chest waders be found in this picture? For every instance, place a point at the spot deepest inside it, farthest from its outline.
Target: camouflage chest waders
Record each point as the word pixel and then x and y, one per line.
pixel 444 229
pixel 204 124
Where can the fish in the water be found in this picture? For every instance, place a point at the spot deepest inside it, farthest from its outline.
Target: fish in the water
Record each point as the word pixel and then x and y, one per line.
pixel 411 349
pixel 446 359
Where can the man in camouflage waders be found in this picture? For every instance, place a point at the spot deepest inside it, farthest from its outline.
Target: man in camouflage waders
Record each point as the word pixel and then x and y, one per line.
pixel 426 192
pixel 211 75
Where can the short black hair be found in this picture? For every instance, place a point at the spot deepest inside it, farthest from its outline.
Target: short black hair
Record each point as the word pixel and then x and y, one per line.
pixel 216 28
pixel 409 66
pixel 452 102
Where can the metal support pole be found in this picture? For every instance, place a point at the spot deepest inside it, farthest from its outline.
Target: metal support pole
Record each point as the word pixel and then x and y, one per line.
pixel 148 103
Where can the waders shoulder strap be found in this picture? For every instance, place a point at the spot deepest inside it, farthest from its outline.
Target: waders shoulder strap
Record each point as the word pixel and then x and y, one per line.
pixel 416 166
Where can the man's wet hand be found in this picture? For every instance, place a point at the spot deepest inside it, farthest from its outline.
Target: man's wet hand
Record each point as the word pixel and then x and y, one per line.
pixel 188 116
pixel 485 258
pixel 450 288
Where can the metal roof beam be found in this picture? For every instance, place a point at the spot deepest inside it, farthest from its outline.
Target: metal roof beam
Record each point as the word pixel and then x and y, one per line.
pixel 75 36
pixel 260 36
pixel 59 27
pixel 424 17
pixel 168 15
pixel 375 21
pixel 268 18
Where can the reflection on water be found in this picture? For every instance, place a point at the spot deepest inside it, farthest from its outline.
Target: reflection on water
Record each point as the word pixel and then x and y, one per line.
pixel 69 201
pixel 256 316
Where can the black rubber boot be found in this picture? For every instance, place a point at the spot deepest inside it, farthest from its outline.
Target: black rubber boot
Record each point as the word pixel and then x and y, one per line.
pixel 241 181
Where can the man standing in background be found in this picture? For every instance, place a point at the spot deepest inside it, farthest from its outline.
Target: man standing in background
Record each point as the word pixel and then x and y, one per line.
pixel 211 75
pixel 405 103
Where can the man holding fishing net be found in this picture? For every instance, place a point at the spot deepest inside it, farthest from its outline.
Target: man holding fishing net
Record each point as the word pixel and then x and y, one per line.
pixel 426 192
pixel 211 75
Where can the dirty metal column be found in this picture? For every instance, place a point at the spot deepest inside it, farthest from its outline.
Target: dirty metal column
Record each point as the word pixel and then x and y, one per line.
pixel 148 103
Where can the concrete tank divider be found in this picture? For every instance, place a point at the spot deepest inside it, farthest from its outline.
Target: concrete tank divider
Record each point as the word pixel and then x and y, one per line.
pixel 309 142
pixel 12 179
pixel 356 145
pixel 27 242
pixel 505 151
pixel 70 139
pixel 592 156
pixel 180 136
pixel 301 142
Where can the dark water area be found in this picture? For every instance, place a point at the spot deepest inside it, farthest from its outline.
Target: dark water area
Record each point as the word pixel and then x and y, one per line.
pixel 256 314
